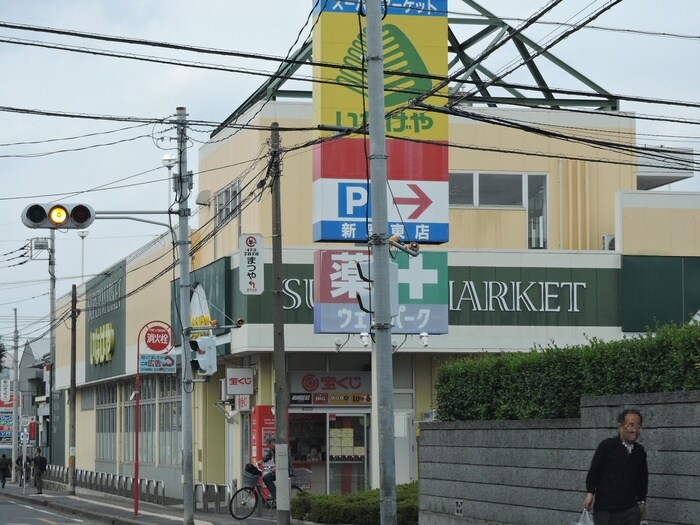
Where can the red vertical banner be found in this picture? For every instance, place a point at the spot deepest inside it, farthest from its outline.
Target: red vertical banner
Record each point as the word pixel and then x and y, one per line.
pixel 262 425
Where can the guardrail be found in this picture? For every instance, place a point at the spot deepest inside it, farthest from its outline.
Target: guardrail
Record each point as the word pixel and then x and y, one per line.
pixel 208 497
pixel 150 490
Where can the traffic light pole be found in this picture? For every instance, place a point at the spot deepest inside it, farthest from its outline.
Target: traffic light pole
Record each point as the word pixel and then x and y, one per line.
pixel 72 401
pixel 183 186
pixel 53 427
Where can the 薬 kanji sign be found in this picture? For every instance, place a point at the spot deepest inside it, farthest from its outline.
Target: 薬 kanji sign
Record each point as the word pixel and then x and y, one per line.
pixel 423 293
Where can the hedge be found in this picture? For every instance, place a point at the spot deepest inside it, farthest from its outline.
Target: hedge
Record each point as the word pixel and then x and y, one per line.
pixel 358 508
pixel 547 383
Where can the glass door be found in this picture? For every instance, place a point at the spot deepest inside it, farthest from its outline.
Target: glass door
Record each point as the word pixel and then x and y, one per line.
pixel 347 453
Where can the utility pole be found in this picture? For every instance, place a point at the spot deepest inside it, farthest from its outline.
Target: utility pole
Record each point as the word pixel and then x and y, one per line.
pixel 183 186
pixel 281 389
pixel 382 371
pixel 74 312
pixel 15 399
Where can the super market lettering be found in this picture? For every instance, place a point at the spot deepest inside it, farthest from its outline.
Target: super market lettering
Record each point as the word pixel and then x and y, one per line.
pixel 104 300
pixel 516 296
pixel 406 7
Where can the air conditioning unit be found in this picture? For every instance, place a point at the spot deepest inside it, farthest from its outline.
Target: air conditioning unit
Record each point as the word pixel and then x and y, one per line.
pixel 609 242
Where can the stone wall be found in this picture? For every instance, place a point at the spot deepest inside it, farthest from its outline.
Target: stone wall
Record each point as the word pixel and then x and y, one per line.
pixel 533 472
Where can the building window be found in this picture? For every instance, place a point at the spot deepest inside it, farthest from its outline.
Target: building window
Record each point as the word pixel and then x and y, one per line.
pixel 106 422
pixel 505 190
pixel 169 421
pixel 227 203
pixel 461 189
pixel 537 211
pixel 87 399
pixel 499 189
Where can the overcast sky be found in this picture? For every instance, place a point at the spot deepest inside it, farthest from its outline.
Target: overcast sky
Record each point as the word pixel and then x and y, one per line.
pixel 623 61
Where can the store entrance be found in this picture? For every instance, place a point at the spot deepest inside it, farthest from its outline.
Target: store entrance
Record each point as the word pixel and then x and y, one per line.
pixel 334 447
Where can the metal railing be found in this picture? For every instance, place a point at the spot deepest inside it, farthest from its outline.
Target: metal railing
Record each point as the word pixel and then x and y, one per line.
pixel 150 490
pixel 208 497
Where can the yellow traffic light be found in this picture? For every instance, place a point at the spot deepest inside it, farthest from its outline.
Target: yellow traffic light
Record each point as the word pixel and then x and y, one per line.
pixel 55 216
pixel 58 215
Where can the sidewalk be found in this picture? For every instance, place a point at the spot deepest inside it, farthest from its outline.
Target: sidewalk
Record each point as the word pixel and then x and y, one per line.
pixel 117 510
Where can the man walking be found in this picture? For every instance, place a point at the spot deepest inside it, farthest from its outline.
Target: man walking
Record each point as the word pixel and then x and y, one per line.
pixel 39 469
pixel 5 466
pixel 617 480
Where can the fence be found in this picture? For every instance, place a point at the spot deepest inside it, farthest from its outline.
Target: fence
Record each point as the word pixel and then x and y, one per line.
pixel 533 472
pixel 208 497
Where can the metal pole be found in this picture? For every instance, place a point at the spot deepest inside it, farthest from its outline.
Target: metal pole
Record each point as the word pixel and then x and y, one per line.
pixel 15 399
pixel 137 425
pixel 72 404
pixel 382 373
pixel 182 188
pixel 281 394
pixel 52 340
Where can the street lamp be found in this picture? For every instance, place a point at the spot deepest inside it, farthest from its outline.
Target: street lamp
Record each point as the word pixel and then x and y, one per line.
pixel 82 234
pixel 169 162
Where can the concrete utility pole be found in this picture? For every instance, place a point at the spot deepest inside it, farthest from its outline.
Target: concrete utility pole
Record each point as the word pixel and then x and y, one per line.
pixel 183 186
pixel 281 389
pixel 15 399
pixel 382 371
pixel 72 402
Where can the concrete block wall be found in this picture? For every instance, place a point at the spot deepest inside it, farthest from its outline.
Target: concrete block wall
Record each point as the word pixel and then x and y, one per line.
pixel 533 472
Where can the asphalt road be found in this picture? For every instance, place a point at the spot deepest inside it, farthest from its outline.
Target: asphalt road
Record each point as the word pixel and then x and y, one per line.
pixel 15 512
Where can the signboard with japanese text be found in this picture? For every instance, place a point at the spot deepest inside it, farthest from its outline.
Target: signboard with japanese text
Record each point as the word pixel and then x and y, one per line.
pixel 239 381
pixel 159 339
pixel 252 264
pixel 415 48
pixel 5 390
pixel 330 388
pixel 157 364
pixel 105 324
pixel 5 427
pixel 423 293
pixel 262 426
pixel 242 403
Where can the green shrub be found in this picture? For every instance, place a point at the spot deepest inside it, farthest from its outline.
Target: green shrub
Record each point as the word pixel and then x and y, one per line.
pixel 547 383
pixel 359 508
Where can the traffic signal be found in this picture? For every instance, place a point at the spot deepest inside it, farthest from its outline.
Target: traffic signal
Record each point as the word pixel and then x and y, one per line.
pixel 204 355
pixel 69 216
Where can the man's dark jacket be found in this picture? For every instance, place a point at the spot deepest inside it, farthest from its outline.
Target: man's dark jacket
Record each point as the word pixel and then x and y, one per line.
pixel 618 479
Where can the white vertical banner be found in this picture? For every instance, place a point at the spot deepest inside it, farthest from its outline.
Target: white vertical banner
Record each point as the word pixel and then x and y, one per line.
pixel 5 390
pixel 251 268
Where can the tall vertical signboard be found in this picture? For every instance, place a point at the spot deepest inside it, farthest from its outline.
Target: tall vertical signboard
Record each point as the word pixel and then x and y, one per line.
pixel 415 58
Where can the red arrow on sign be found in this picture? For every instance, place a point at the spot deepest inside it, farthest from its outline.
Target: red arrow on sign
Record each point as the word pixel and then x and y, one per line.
pixel 421 201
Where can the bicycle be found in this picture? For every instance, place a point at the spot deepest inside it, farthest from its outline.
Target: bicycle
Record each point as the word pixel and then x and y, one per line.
pixel 245 500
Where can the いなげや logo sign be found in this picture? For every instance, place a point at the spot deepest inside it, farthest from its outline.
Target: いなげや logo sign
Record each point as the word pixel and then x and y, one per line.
pixel 408 74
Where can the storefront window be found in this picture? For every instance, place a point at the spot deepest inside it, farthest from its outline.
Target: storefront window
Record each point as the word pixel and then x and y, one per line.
pixel 347 454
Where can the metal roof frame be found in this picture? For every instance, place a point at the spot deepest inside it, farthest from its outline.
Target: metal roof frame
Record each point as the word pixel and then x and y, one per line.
pixel 475 72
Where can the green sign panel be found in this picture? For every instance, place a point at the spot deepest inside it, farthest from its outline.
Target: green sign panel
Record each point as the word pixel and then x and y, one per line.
pixel 105 318
pixel 658 290
pixel 534 296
